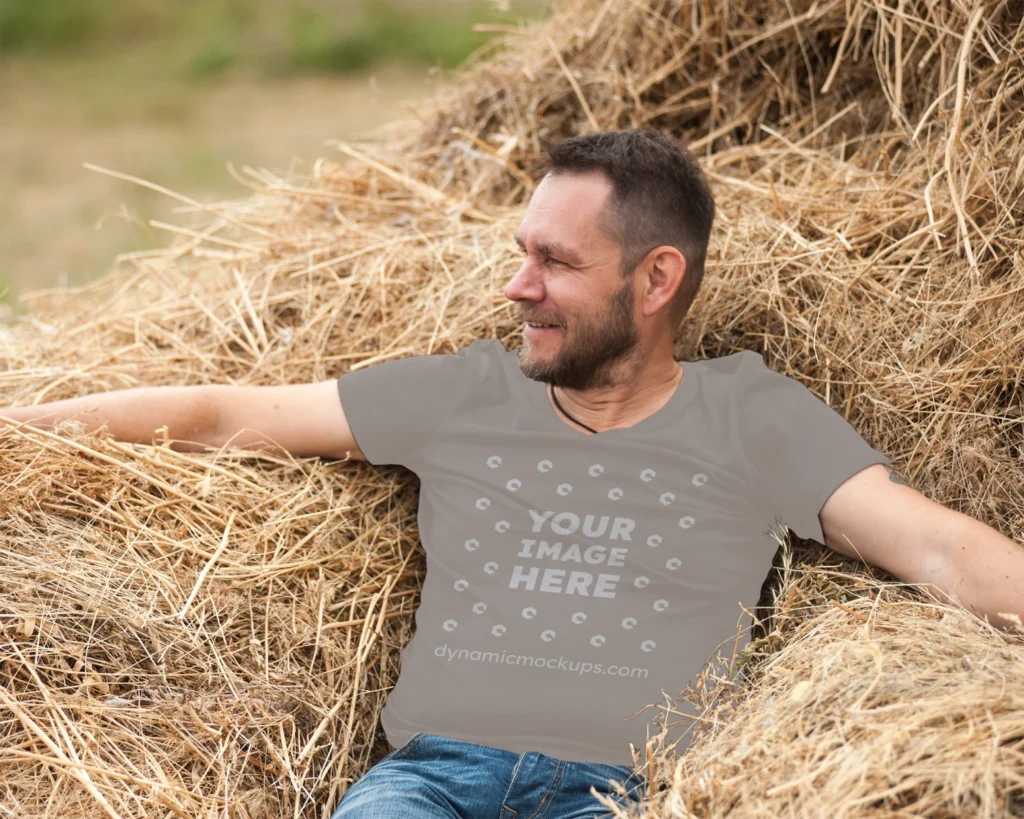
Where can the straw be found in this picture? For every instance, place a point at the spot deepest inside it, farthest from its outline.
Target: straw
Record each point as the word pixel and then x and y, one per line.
pixel 214 634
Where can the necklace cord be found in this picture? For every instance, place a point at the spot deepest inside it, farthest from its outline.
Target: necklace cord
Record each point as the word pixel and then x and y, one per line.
pixel 567 415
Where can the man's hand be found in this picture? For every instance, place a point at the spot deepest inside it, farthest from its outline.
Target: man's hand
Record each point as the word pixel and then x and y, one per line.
pixel 134 416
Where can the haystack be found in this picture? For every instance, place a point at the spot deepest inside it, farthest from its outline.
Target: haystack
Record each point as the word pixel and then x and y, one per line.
pixel 213 635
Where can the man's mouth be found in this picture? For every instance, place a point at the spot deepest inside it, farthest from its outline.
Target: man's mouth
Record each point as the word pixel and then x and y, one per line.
pixel 537 331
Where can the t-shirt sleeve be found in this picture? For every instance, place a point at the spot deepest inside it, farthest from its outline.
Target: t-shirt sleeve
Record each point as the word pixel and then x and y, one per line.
pixel 395 408
pixel 798 449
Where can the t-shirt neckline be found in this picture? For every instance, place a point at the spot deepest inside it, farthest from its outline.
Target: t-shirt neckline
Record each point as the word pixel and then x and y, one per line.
pixel 670 411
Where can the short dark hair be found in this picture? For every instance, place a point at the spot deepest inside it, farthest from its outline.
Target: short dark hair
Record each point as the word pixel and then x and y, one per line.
pixel 659 197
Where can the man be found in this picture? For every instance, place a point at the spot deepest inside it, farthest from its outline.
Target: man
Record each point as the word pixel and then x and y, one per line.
pixel 593 512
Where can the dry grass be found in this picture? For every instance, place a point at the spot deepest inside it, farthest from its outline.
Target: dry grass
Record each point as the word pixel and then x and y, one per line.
pixel 186 635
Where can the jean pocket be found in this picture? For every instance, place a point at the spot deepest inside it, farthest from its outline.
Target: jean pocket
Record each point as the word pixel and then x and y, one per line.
pixel 398 753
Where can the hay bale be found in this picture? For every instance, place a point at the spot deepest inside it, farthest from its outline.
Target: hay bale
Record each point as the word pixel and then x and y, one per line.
pixel 214 635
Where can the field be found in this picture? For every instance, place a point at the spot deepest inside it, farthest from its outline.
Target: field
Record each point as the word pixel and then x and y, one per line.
pixel 171 92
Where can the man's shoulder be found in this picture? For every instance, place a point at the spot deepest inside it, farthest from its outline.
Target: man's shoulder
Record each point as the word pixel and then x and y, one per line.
pixel 481 356
pixel 733 364
pixel 483 346
pixel 482 364
pixel 743 377
pixel 477 355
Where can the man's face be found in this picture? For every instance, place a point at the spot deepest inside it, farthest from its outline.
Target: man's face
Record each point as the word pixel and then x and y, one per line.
pixel 571 278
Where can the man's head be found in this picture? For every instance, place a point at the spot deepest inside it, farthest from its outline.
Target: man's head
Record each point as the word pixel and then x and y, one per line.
pixel 615 238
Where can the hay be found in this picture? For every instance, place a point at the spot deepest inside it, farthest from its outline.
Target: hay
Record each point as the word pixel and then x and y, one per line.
pixel 214 634
pixel 883 705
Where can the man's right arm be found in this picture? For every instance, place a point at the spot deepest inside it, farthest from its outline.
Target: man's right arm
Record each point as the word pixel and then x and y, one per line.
pixel 302 419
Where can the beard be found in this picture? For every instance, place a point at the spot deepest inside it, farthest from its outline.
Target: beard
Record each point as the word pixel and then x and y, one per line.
pixel 583 360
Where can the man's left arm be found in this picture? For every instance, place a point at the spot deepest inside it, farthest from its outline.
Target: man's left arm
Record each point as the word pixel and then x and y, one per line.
pixel 878 517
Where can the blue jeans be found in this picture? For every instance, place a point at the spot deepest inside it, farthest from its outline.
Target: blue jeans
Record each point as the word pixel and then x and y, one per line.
pixel 433 777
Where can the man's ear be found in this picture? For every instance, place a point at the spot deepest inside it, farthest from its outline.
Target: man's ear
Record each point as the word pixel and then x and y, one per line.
pixel 663 270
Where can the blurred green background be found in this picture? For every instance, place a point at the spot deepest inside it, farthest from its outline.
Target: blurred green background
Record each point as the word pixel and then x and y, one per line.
pixel 170 90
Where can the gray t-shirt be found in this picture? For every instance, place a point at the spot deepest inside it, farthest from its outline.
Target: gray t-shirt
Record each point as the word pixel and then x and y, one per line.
pixel 572 578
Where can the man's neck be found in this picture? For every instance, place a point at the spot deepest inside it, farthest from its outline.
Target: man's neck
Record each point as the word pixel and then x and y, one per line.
pixel 617 407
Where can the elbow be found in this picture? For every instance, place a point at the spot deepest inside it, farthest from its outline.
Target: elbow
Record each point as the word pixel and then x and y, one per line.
pixel 202 425
pixel 942 565
pixel 211 416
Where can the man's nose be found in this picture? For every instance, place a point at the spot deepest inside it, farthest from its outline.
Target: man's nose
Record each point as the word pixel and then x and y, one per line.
pixel 525 285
